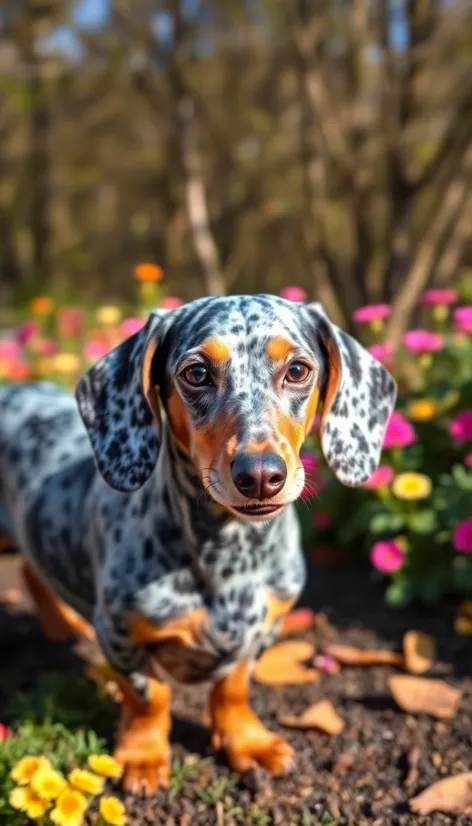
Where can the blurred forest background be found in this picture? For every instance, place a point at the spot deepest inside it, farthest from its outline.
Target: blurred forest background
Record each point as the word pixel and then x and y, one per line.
pixel 241 145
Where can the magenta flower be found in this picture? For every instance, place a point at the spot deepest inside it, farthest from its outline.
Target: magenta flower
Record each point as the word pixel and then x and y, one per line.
pixel 439 297
pixel 422 341
pixel 95 349
pixel 130 326
pixel 371 312
pixel 381 352
pixel 27 331
pixel 327 664
pixel 400 432
pixel 9 348
pixel 171 302
pixel 382 477
pixel 387 556
pixel 70 322
pixel 461 426
pixel 294 294
pixel 462 537
pixel 463 318
pixel 468 460
pixel 322 521
pixel 310 462
pixel 5 732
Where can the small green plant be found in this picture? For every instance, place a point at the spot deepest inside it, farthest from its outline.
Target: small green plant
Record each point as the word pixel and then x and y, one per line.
pixel 184 771
pixel 217 791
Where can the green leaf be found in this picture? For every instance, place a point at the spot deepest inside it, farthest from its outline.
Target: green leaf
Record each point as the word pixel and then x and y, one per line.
pixel 462 477
pixel 386 523
pixel 423 521
pixel 399 593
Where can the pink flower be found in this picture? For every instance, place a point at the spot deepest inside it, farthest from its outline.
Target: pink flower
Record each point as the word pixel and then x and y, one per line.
pixel 9 348
pixel 19 370
pixel 422 341
pixel 468 460
pixel 171 302
pixel 461 426
pixel 371 312
pixel 70 322
pixel 327 664
pixel 45 347
pixel 439 297
pixel 463 318
pixel 310 462
pixel 322 521
pixel 130 326
pixel 387 556
pixel 95 349
pixel 400 432
pixel 462 537
pixel 294 294
pixel 27 331
pixel 382 352
pixel 5 732
pixel 382 477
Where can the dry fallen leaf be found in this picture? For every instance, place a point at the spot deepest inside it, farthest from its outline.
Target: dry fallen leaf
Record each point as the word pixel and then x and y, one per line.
pixel 321 715
pixel 282 664
pixel 11 596
pixel 419 651
pixel 296 622
pixel 451 796
pixel 350 655
pixel 417 695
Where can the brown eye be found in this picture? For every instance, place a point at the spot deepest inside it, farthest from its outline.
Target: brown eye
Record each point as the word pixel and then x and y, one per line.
pixel 197 375
pixel 297 372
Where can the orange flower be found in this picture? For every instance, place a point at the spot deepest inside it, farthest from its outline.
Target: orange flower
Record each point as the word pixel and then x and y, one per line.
pixel 148 272
pixel 41 305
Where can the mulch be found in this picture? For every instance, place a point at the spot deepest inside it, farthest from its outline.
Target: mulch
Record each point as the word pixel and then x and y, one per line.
pixel 359 777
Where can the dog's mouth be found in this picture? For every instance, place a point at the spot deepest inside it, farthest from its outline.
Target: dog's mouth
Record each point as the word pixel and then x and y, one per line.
pixel 258 510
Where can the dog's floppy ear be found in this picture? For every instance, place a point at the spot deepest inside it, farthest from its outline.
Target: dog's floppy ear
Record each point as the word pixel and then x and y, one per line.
pixel 120 409
pixel 359 396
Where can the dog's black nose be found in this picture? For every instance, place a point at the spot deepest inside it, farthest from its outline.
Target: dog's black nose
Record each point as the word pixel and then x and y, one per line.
pixel 259 475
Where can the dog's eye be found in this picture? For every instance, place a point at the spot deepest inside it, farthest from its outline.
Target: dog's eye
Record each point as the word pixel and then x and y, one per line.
pixel 297 372
pixel 197 375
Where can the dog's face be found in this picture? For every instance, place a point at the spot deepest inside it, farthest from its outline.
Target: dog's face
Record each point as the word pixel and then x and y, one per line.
pixel 241 380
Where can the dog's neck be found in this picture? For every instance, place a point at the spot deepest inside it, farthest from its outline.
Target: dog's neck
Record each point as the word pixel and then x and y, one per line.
pixel 200 517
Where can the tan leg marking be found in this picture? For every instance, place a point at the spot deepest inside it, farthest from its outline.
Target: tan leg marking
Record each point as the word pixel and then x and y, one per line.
pixel 59 621
pixel 241 734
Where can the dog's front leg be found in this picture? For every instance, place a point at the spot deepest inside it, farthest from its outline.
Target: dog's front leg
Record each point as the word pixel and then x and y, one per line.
pixel 142 743
pixel 240 733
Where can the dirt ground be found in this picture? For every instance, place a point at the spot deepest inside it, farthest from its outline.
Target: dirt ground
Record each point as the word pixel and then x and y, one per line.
pixel 356 778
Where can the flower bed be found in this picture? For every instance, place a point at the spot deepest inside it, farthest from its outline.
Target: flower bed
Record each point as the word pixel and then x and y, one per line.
pixel 414 516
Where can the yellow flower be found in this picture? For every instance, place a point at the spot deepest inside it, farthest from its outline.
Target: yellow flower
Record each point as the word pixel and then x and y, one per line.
pixel 105 765
pixel 41 305
pixel 48 783
pixel 27 767
pixel 108 315
pixel 463 626
pixel 112 811
pixel 422 410
pixel 86 781
pixel 66 364
pixel 70 808
pixel 26 800
pixel 411 486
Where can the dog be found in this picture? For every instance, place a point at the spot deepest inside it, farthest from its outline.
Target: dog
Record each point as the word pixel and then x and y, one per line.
pixel 155 509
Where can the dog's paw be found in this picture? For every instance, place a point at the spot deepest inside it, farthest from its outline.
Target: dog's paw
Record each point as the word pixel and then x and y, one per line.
pixel 249 744
pixel 145 772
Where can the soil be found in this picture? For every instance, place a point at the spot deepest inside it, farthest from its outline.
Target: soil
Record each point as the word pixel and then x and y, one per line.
pixel 359 777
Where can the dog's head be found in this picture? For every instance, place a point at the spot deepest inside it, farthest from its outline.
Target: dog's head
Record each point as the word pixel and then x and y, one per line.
pixel 240 380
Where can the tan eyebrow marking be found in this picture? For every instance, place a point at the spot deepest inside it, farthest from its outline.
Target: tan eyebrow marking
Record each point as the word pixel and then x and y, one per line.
pixel 279 348
pixel 217 350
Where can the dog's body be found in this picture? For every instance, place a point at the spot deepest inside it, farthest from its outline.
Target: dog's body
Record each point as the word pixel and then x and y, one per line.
pixel 184 551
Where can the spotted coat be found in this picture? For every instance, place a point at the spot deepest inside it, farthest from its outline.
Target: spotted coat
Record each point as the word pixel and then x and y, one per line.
pixel 159 529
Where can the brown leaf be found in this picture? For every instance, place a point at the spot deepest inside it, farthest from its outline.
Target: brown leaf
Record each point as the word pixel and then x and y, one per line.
pixel 282 664
pixel 452 796
pixel 417 695
pixel 419 651
pixel 413 760
pixel 321 715
pixel 296 622
pixel 350 655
